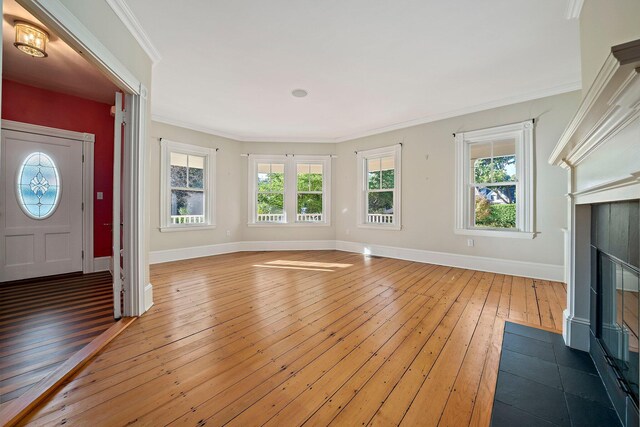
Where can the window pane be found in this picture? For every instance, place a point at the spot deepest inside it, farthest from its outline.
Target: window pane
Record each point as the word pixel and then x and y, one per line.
pixel 504 168
pixel 388 178
pixel 179 159
pixel 373 174
pixel 495 207
pixel 303 176
pixel 196 172
pixel 309 203
pixel 187 202
pixel 270 204
pixel 493 161
pixel 374 180
pixel 178 176
pixel 309 177
pixel 380 202
pixel 270 177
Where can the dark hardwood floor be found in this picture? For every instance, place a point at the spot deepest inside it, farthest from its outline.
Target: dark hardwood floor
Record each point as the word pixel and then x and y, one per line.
pixel 46 320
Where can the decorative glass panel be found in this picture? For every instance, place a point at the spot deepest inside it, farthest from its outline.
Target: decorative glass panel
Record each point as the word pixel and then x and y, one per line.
pixel 38 186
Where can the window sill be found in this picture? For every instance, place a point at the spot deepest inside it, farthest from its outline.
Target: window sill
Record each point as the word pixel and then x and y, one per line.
pixel 380 227
pixel 496 233
pixel 186 228
pixel 288 224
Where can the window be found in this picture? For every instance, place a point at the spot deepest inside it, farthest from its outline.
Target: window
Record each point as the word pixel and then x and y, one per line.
pixel 379 188
pixel 289 189
pixel 187 181
pixel 495 182
pixel 270 194
pixel 310 192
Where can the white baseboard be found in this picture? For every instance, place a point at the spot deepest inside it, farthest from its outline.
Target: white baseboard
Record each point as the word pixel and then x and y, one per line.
pixel 576 331
pixel 102 263
pixel 148 296
pixel 494 265
pixel 291 245
pixel 169 255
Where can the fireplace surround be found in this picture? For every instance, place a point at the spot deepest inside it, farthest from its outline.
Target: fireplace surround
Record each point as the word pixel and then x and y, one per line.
pixel 600 150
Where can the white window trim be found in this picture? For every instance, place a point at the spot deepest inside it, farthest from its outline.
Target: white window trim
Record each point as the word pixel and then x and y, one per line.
pixel 167 147
pixel 394 151
pixel 523 134
pixel 290 188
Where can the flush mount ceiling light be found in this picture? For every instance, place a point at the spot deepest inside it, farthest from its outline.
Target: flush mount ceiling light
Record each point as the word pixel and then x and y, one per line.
pixel 31 39
pixel 299 93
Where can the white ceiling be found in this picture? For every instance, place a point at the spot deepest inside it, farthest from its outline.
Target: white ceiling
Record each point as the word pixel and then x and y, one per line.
pixel 229 66
pixel 64 70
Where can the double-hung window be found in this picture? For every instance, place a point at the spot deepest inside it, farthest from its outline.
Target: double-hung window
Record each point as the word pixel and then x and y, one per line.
pixel 379 192
pixel 187 186
pixel 289 189
pixel 494 175
pixel 270 192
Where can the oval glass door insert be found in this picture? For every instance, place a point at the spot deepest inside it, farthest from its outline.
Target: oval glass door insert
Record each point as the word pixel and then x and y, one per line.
pixel 39 186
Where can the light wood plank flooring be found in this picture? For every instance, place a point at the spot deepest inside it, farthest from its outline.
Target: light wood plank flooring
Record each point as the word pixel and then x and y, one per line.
pixel 44 321
pixel 314 338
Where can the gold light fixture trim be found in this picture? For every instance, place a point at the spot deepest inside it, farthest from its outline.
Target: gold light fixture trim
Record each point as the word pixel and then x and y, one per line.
pixel 31 39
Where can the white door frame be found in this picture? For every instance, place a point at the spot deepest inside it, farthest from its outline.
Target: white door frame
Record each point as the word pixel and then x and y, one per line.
pixel 53 14
pixel 87 140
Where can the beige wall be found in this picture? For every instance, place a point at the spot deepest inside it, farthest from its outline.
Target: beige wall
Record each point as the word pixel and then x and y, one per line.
pixel 603 24
pixel 427 183
pixel 428 193
pixel 228 190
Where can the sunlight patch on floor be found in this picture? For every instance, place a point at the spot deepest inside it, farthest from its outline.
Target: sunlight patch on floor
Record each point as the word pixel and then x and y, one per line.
pixel 284 267
pixel 308 264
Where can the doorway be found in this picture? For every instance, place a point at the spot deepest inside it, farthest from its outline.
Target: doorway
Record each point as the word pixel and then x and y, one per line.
pixel 56 224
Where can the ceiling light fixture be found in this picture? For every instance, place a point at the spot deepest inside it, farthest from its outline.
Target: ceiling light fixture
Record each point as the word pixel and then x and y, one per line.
pixel 299 93
pixel 31 39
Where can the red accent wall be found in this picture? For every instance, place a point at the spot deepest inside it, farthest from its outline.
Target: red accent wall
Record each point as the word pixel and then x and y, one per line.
pixel 43 107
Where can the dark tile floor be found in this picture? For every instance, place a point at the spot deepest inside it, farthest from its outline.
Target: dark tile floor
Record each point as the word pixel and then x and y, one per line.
pixel 542 382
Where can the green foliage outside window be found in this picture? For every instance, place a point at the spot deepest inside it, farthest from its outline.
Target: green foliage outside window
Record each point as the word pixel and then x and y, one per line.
pixel 271 193
pixel 494 215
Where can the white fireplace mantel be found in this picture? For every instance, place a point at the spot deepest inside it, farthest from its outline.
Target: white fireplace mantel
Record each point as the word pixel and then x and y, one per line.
pixel 600 149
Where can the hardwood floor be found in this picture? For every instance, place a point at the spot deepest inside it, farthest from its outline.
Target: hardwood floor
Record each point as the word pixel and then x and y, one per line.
pixel 314 338
pixel 43 322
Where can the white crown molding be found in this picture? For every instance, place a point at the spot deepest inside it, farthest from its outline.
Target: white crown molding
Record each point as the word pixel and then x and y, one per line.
pixel 556 90
pixel 574 7
pixel 502 266
pixel 235 137
pixel 529 96
pixel 130 21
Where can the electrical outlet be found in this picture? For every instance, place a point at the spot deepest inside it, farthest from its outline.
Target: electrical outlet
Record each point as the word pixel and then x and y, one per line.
pixel 99 196
pixel 470 243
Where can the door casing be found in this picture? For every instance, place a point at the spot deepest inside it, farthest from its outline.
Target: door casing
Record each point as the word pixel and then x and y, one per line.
pixel 87 140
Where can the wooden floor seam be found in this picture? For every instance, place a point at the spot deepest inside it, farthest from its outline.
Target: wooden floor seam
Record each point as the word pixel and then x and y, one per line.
pixel 306 337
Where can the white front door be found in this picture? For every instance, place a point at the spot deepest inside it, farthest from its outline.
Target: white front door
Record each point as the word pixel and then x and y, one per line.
pixel 40 205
